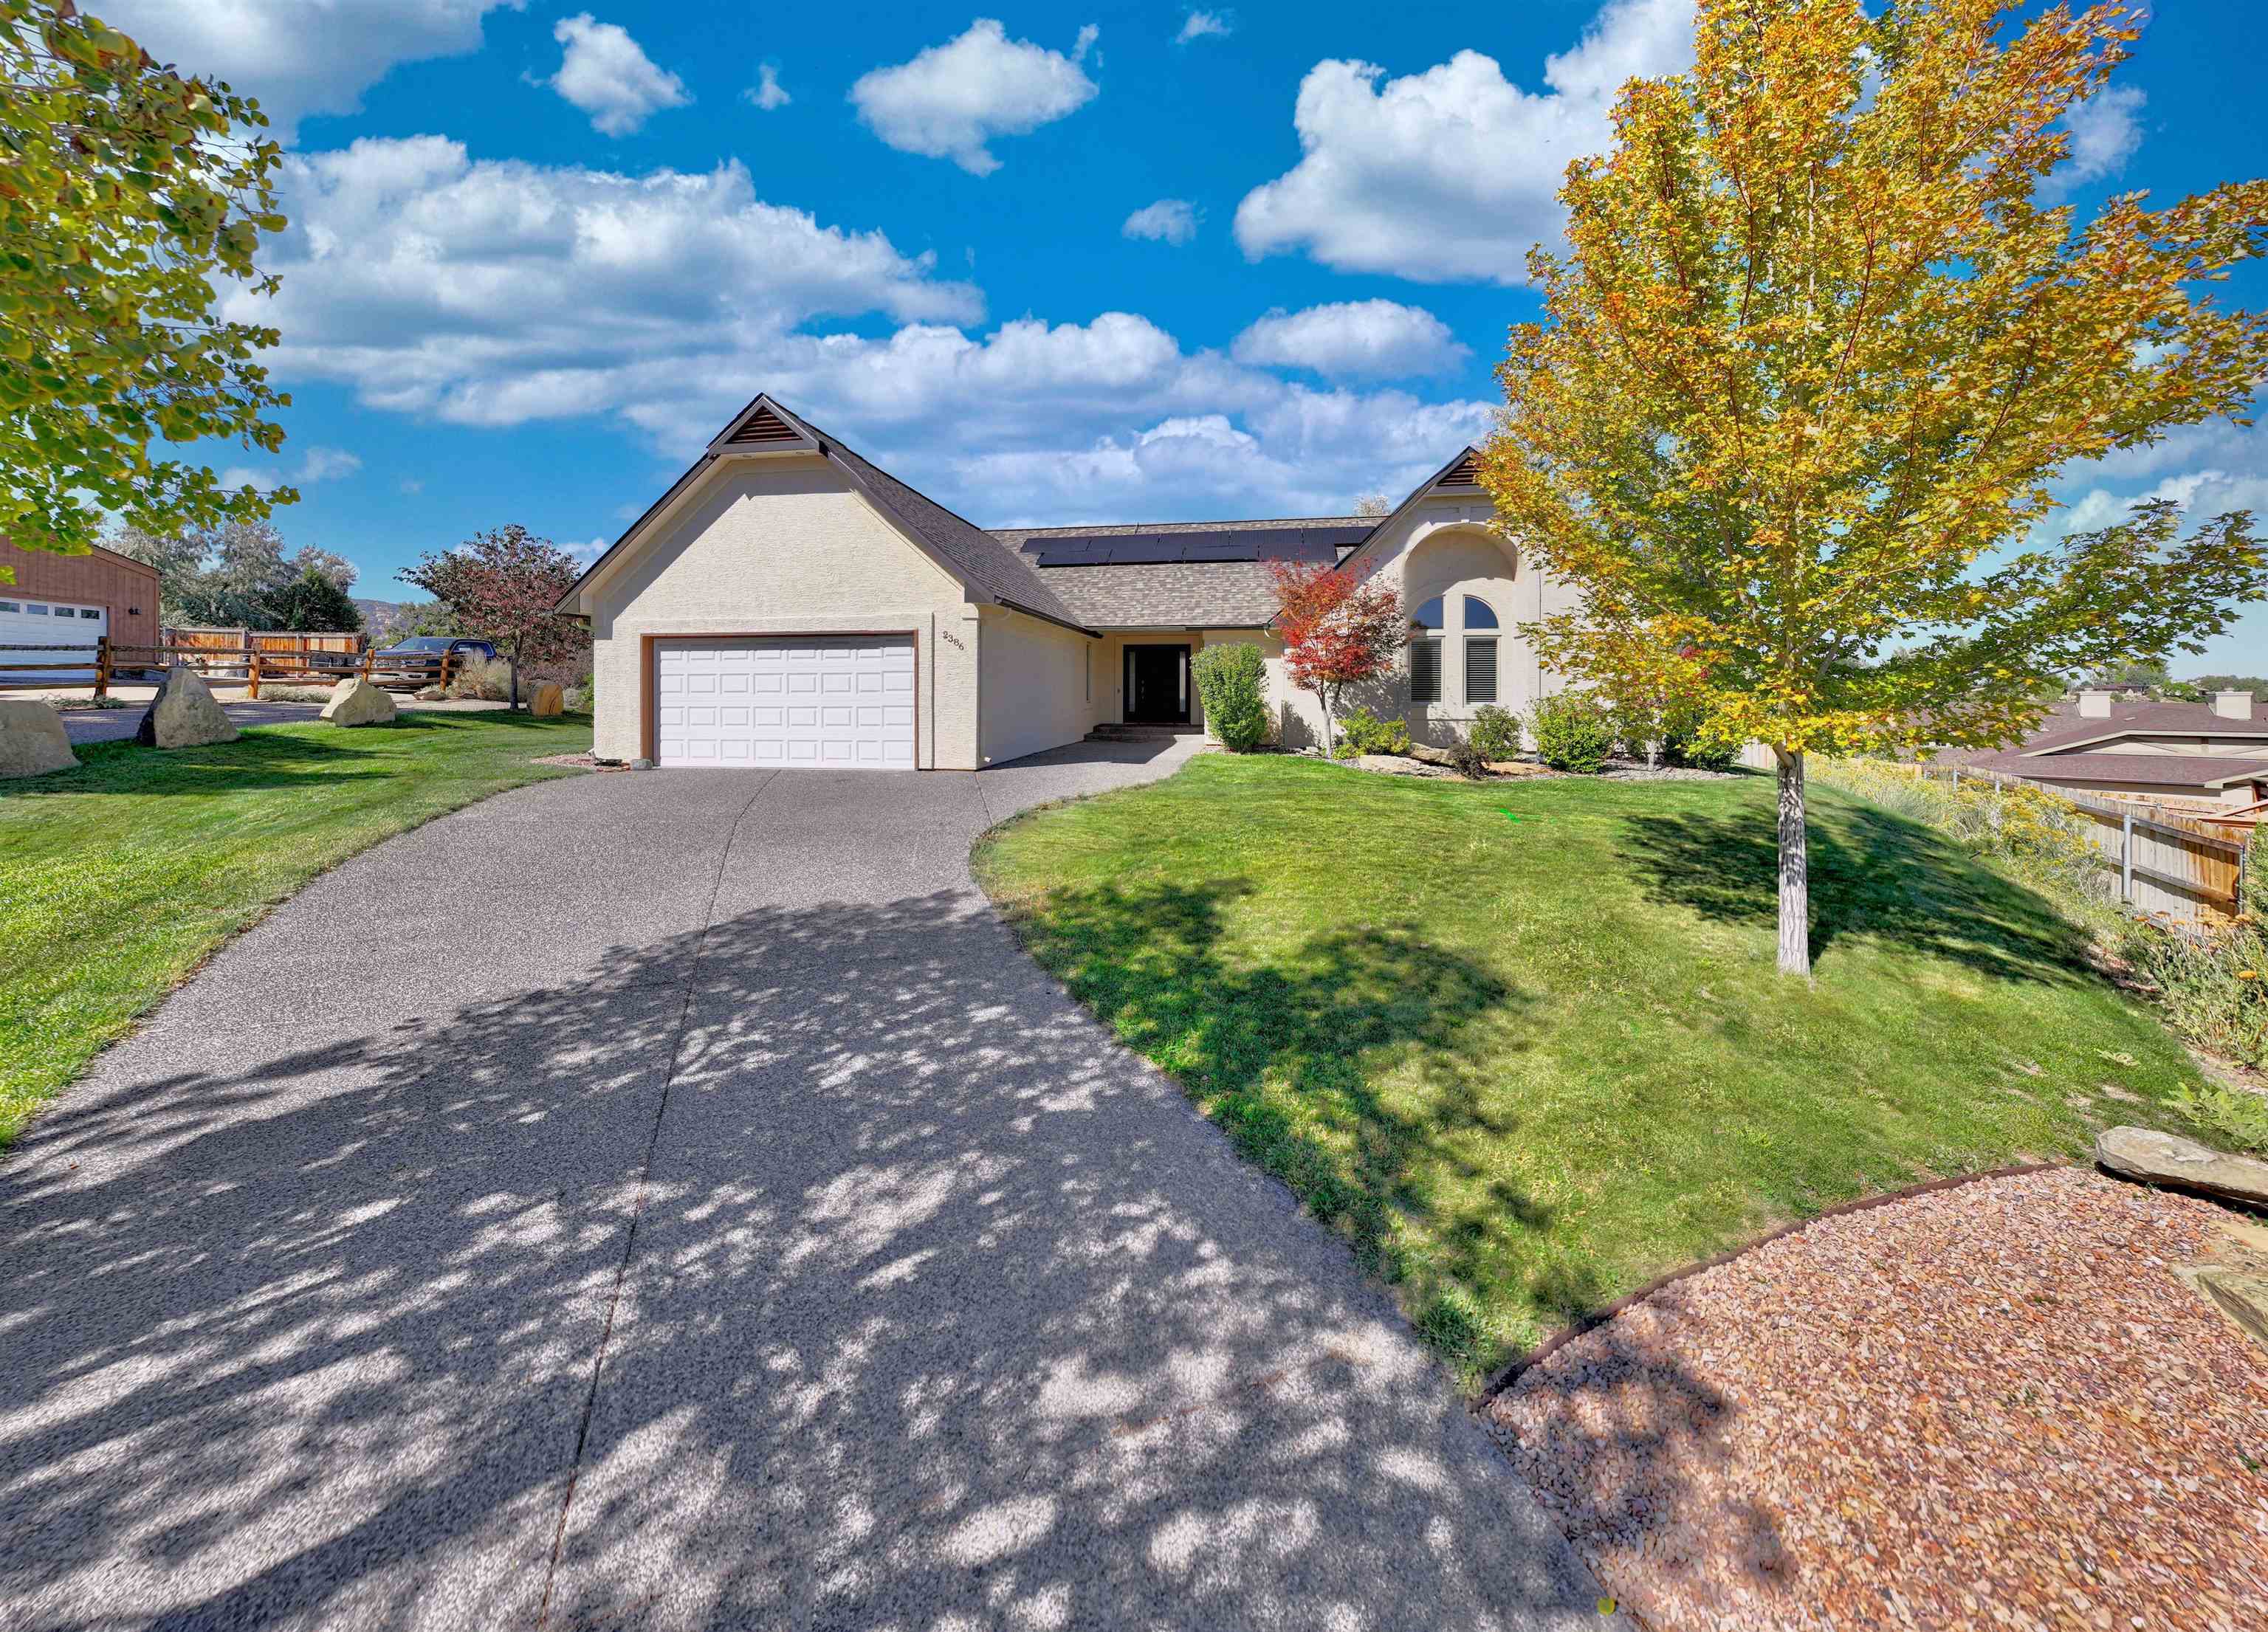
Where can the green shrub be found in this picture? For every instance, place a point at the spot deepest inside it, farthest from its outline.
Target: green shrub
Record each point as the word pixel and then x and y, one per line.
pixel 1362 731
pixel 1232 685
pixel 2255 904
pixel 2034 830
pixel 2212 984
pixel 1466 758
pixel 1495 732
pixel 1572 732
pixel 2230 1114
pixel 1684 748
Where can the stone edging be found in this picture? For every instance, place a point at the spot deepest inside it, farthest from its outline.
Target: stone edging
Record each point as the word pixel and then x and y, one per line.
pixel 1593 1319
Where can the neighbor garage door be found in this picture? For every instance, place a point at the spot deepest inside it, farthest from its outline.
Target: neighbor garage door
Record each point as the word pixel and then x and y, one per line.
pixel 844 701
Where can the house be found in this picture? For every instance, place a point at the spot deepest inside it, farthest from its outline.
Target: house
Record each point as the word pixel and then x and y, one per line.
pixel 788 602
pixel 64 603
pixel 2214 753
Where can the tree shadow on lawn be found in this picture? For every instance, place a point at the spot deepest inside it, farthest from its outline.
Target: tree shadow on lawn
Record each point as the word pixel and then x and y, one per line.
pixel 932 1305
pixel 1874 875
pixel 1287 1054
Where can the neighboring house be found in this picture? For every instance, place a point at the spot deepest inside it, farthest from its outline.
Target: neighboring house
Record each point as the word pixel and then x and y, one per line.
pixel 2213 752
pixel 787 602
pixel 64 603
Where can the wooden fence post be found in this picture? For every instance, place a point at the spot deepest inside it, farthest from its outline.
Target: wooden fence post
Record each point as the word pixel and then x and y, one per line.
pixel 254 694
pixel 101 667
pixel 369 656
pixel 2126 856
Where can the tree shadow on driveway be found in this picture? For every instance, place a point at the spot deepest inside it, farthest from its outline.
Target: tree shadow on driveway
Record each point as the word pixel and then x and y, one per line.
pixel 916 1300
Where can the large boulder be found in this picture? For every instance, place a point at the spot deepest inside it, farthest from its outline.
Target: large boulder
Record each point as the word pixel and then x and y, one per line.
pixel 2167 1158
pixel 547 699
pixel 33 741
pixel 184 714
pixel 359 701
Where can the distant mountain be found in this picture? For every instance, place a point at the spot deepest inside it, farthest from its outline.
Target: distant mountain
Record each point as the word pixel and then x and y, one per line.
pixel 380 616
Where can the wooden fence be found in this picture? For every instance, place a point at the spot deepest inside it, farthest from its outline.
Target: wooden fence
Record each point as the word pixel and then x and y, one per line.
pixel 2177 866
pixel 263 640
pixel 306 666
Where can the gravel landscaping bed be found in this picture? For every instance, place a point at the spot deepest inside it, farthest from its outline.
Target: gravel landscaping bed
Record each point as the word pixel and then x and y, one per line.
pixel 1992 1405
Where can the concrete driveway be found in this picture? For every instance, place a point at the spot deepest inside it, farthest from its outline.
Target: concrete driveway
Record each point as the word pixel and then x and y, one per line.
pixel 672 1201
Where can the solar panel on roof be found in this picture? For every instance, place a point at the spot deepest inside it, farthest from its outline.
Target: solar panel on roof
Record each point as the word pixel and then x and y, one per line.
pixel 1206 546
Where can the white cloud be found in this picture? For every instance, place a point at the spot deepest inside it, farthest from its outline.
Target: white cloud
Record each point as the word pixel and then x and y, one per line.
pixel 496 291
pixel 767 92
pixel 1453 174
pixel 300 56
pixel 951 100
pixel 2105 130
pixel 501 293
pixel 1358 339
pixel 1198 24
pixel 1174 220
pixel 608 76
pixel 317 464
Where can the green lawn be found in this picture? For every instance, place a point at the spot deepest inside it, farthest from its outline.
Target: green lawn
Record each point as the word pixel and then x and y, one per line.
pixel 118 879
pixel 1523 1044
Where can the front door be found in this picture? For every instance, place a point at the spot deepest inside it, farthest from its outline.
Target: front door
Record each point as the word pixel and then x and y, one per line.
pixel 1157 685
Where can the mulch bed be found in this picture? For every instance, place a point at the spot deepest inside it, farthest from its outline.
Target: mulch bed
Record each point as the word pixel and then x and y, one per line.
pixel 1991 1405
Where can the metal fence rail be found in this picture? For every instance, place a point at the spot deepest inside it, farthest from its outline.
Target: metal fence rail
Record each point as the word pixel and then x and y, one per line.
pixel 2173 865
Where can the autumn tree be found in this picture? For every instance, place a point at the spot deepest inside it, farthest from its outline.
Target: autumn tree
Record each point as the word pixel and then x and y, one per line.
pixel 130 198
pixel 1814 352
pixel 502 586
pixel 1338 631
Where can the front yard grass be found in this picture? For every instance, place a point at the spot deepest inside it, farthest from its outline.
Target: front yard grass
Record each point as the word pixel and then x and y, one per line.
pixel 1523 1043
pixel 118 879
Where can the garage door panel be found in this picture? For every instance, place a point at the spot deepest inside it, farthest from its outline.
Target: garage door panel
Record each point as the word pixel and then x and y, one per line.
pixel 841 703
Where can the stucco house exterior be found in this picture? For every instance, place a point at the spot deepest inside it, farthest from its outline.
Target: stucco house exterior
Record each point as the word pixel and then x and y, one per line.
pixel 789 603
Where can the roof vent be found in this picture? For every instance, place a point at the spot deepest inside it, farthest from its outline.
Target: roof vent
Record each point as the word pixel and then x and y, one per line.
pixel 1466 472
pixel 762 427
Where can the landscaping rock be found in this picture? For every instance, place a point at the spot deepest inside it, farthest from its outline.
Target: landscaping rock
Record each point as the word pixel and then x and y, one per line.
pixel 2167 1158
pixel 1428 754
pixel 1396 764
pixel 547 700
pixel 33 741
pixel 429 694
pixel 358 702
pixel 183 714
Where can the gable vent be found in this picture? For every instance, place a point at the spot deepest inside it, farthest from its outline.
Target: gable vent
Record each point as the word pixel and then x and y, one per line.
pixel 762 426
pixel 1466 472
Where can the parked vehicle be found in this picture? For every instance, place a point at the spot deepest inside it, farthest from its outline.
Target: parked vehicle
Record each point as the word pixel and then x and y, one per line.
pixel 417 661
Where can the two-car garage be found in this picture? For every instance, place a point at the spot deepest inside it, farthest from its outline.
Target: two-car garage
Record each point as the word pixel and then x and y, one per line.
pixel 843 701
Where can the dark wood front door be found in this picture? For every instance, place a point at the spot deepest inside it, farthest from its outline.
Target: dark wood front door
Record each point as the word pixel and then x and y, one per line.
pixel 1157 685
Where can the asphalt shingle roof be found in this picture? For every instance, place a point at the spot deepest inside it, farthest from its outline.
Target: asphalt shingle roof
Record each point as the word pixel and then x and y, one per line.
pixel 1168 595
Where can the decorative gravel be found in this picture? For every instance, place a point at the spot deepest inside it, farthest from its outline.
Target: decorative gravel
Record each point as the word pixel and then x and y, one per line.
pixel 1987 1406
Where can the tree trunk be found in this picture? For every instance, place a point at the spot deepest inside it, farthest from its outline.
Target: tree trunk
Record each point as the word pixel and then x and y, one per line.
pixel 1795 867
pixel 514 660
pixel 1331 728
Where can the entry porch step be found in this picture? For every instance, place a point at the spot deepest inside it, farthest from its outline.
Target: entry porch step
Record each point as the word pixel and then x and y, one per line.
pixel 1142 733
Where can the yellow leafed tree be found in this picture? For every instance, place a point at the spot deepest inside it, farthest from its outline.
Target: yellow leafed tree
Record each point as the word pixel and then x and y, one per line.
pixel 1817 344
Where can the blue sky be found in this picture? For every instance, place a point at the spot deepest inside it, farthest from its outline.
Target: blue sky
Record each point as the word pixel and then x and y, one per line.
pixel 1051 264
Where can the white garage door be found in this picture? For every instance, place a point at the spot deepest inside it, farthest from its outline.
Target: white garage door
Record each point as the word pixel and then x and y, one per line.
pixel 64 631
pixel 844 701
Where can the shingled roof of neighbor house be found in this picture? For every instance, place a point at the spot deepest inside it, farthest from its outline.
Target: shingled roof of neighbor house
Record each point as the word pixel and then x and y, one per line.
pixel 1179 574
pixel 2203 771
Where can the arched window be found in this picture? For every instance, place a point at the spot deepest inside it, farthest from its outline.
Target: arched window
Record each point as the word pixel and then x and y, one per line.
pixel 1425 653
pixel 1478 614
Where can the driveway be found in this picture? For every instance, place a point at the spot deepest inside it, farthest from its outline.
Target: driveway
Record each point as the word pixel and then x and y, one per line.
pixel 672 1201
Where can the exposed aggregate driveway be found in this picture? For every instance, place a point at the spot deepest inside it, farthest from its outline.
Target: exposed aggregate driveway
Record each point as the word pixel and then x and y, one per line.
pixel 672 1201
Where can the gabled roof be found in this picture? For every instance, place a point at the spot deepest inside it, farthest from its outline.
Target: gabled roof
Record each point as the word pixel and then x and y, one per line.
pixel 1149 592
pixel 2157 770
pixel 1461 473
pixel 2066 733
pixel 766 427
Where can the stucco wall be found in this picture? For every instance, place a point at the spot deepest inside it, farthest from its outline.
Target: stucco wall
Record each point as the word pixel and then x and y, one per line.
pixel 1442 547
pixel 1036 679
pixel 785 547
